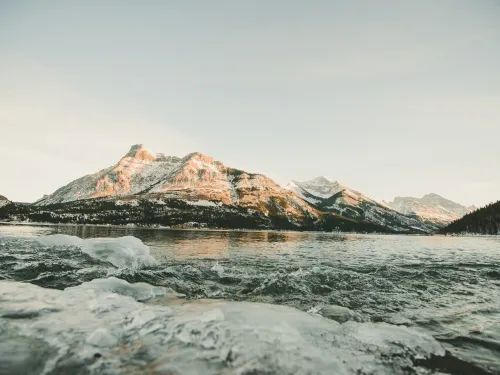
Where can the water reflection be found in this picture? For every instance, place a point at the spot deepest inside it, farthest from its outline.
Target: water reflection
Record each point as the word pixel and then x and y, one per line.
pixel 313 247
pixel 200 244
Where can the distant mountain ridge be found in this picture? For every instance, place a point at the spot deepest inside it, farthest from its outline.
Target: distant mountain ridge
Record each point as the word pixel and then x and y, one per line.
pixel 431 208
pixel 331 196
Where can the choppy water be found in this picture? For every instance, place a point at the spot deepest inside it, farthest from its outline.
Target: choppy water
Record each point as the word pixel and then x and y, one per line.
pixel 410 299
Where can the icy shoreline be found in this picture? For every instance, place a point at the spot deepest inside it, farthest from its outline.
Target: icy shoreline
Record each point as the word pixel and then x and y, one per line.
pixel 99 328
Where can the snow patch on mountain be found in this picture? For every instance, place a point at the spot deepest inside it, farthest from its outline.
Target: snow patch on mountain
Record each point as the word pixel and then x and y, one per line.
pixel 320 187
pixel 203 203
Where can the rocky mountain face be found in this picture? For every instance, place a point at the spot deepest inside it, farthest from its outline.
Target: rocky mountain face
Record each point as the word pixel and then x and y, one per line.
pixel 137 171
pixel 431 208
pixel 331 196
pixel 196 178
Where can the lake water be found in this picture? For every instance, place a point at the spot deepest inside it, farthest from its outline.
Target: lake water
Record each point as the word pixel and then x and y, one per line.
pixel 410 299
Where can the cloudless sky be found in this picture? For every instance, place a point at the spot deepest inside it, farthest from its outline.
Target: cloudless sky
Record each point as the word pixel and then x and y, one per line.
pixel 393 98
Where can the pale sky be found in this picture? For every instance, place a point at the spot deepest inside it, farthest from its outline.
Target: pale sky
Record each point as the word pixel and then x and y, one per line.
pixel 393 98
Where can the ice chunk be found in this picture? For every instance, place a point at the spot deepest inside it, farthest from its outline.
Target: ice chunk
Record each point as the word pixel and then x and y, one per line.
pixel 340 314
pixel 60 240
pixel 198 337
pixel 102 337
pixel 389 337
pixel 23 356
pixel 218 268
pixel 215 314
pixel 122 252
pixel 138 291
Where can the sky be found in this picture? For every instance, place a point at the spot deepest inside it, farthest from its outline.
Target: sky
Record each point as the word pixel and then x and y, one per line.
pixel 392 98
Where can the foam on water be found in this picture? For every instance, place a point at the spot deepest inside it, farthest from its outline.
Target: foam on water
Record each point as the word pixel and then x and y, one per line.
pixel 92 331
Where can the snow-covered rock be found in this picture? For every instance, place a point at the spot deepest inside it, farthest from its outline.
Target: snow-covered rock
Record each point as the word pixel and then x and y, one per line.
pixel 94 331
pixel 431 208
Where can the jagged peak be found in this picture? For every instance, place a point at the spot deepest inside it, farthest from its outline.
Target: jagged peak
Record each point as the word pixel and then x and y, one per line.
pixel 3 198
pixel 135 148
pixel 322 179
pixel 140 152
pixel 198 156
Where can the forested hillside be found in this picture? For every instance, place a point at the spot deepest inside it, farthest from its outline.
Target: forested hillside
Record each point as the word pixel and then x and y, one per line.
pixel 485 220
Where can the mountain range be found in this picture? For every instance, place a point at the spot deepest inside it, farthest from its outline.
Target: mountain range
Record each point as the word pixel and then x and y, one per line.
pixel 331 196
pixel 145 188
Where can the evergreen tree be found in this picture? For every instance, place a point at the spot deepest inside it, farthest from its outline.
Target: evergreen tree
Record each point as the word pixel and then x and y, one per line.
pixel 485 220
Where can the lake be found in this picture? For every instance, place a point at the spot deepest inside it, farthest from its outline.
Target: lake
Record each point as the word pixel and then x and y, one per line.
pixel 402 301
